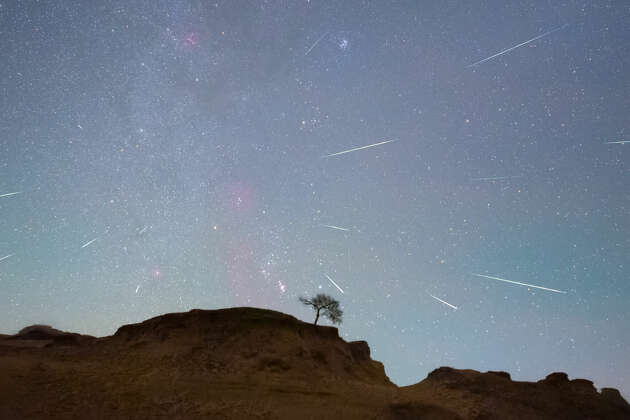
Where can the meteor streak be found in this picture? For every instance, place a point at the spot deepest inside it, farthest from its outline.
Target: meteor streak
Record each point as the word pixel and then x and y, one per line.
pixel 336 227
pixel 443 301
pixel 88 243
pixel 335 284
pixel 315 44
pixel 10 194
pixel 359 148
pixel 618 142
pixel 6 256
pixel 516 282
pixel 519 45
pixel 496 178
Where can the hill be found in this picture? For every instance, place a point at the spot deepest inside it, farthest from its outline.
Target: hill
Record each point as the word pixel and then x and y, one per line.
pixel 248 363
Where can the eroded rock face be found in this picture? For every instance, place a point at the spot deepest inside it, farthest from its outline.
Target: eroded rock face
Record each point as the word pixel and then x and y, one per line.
pixel 472 394
pixel 582 386
pixel 614 396
pixel 556 378
pixel 239 341
pixel 254 363
pixel 445 374
pixel 360 350
pixel 561 379
pixel 504 375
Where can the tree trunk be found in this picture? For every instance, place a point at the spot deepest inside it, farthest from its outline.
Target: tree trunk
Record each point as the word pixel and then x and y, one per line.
pixel 316 317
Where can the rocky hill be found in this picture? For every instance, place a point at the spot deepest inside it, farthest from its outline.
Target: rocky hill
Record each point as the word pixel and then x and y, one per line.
pixel 473 395
pixel 44 335
pixel 247 363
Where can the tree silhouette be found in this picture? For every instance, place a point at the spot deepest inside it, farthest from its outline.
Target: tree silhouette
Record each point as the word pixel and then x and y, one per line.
pixel 327 304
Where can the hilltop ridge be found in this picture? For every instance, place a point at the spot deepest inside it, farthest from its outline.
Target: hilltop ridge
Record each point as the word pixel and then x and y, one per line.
pixel 239 363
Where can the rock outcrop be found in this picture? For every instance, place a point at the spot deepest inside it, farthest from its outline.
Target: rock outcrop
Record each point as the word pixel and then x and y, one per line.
pixel 248 363
pixel 46 336
pixel 472 394
pixel 244 341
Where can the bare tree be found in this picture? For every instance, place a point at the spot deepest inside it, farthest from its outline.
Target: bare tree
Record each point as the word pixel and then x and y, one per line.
pixel 327 304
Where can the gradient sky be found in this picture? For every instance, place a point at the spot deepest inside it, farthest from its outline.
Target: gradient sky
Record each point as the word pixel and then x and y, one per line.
pixel 187 138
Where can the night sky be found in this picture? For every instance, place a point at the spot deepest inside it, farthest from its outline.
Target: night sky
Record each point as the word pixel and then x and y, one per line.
pixel 172 155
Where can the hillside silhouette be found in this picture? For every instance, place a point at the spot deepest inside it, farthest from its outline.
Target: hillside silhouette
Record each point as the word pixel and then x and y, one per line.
pixel 249 363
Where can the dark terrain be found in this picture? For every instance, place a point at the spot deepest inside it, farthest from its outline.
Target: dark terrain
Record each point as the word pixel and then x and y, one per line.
pixel 247 363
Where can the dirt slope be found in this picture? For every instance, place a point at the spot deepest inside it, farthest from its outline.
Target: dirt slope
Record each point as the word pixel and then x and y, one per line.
pixel 247 363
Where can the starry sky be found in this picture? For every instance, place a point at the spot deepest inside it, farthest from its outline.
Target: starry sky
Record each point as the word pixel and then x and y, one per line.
pixel 171 155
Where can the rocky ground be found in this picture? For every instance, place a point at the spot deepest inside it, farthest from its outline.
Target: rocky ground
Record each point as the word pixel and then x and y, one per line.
pixel 247 363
